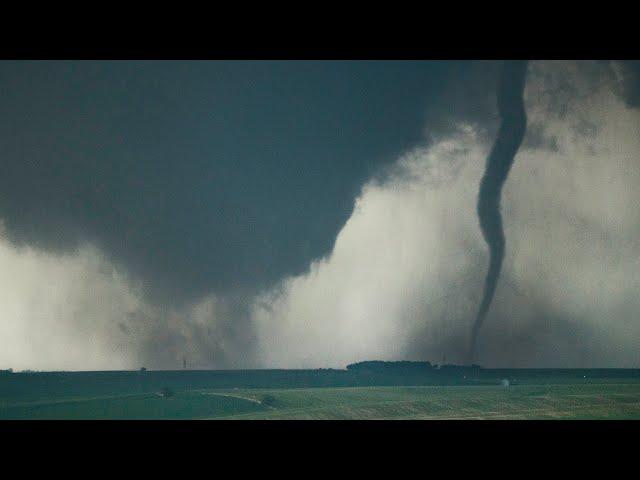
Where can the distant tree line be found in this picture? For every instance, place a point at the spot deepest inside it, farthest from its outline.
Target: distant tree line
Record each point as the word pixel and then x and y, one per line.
pixel 407 366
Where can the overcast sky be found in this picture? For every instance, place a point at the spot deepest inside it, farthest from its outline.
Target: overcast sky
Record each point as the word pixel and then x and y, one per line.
pixel 311 214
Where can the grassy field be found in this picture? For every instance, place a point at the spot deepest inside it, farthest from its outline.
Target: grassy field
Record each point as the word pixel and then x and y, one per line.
pixel 581 399
pixel 601 401
pixel 619 401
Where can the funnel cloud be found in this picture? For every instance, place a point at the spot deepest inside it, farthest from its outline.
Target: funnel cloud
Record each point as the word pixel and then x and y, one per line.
pixel 510 136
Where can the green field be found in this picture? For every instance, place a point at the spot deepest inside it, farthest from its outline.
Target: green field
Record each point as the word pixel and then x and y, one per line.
pixel 619 401
pixel 125 396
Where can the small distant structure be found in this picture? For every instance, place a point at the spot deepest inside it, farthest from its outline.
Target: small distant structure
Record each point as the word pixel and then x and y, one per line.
pixel 184 363
pixel 143 369
pixel 166 392
pixel 505 382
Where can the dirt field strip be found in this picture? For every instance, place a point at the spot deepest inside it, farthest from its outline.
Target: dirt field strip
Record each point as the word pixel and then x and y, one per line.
pixel 254 400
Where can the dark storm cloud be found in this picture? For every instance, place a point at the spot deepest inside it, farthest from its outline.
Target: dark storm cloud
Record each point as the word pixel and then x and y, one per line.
pixel 207 176
pixel 630 82
pixel 208 181
pixel 468 98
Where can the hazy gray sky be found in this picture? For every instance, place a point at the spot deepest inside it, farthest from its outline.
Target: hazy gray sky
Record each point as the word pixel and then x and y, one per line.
pixel 311 214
